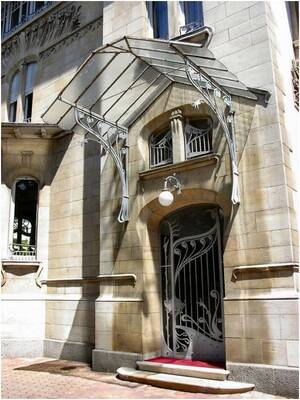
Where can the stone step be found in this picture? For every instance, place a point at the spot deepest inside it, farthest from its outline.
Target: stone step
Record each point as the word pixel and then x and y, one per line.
pixel 183 383
pixel 184 370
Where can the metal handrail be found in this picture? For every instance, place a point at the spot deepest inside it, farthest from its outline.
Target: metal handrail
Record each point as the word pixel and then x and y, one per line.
pixel 24 252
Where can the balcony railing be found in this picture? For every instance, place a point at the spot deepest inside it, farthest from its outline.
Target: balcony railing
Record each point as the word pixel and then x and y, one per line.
pixel 190 27
pixel 197 141
pixel 22 252
pixel 7 28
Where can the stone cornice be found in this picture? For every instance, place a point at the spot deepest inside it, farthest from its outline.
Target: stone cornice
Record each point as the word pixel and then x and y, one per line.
pixel 15 130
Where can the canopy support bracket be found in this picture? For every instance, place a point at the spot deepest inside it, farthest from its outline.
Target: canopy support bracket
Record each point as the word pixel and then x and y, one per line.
pixel 114 139
pixel 221 104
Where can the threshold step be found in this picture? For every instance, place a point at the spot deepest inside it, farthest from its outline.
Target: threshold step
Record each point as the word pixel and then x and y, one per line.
pixel 184 370
pixel 183 383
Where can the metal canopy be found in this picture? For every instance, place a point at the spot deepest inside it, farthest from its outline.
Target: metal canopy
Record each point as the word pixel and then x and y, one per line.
pixel 120 80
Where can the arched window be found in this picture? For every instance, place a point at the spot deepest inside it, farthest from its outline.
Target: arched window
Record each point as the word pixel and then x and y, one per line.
pixel 161 151
pixel 13 98
pixel 27 77
pixel 198 137
pixel 24 232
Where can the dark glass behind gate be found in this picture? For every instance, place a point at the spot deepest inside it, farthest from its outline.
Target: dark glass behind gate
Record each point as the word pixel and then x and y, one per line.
pixel 192 285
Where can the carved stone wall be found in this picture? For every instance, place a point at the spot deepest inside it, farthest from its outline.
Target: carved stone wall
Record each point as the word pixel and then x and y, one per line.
pixel 47 31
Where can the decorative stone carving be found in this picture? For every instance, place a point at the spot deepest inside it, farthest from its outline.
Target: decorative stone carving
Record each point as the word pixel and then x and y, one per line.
pixel 26 158
pixel 53 26
pixel 68 40
pixel 45 29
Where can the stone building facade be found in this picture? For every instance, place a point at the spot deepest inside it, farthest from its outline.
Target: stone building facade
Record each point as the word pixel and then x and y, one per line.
pixel 87 287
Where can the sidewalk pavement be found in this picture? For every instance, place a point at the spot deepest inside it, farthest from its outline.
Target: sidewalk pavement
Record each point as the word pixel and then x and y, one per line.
pixel 47 378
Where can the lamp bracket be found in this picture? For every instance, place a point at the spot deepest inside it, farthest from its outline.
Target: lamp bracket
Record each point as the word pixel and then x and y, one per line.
pixel 177 185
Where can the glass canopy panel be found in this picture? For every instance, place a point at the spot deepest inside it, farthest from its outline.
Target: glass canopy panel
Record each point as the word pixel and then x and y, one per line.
pixel 85 76
pixel 55 111
pixel 232 84
pixel 204 62
pixel 111 78
pixel 192 50
pixel 131 75
pixel 150 44
pixel 217 73
pixel 148 79
pixel 68 121
pixel 119 80
pixel 135 109
pixel 156 55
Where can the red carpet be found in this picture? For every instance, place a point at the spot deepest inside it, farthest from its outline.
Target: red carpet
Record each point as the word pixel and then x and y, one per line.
pixel 192 363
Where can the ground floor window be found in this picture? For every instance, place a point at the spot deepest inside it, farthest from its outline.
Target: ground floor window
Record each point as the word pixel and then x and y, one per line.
pixel 24 232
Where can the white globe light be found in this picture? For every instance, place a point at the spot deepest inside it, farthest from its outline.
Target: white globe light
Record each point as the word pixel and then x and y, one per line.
pixel 165 198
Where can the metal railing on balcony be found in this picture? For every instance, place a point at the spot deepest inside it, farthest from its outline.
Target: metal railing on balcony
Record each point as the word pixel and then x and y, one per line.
pixel 22 252
pixel 190 27
pixel 197 141
pixel 161 149
pixel 16 14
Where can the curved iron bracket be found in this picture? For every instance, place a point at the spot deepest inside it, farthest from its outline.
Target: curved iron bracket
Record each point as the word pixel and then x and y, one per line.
pixel 113 138
pixel 221 104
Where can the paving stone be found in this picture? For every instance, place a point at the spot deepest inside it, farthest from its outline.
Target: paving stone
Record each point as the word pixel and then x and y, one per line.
pixel 47 378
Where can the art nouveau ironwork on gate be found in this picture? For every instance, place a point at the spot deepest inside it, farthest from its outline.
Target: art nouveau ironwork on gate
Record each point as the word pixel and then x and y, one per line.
pixel 192 287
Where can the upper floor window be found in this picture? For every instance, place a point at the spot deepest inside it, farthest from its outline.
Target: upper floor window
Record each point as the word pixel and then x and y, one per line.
pixel 13 98
pixel 161 149
pixel 193 16
pixel 16 13
pixel 198 137
pixel 158 17
pixel 28 94
pixel 27 76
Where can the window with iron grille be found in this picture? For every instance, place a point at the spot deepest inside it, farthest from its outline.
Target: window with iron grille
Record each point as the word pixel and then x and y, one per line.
pixel 198 137
pixel 16 13
pixel 161 151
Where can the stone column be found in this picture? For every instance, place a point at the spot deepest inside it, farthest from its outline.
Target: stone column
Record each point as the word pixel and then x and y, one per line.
pixel 177 130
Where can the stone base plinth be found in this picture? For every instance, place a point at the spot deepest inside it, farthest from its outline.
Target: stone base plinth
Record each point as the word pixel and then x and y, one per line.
pixel 276 380
pixel 110 361
pixel 74 351
pixel 13 348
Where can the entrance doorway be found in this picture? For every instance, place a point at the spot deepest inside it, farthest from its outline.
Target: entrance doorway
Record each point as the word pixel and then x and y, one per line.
pixel 192 285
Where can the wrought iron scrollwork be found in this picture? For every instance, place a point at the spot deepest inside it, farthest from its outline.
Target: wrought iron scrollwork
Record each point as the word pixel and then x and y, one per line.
pixel 192 290
pixel 113 139
pixel 221 104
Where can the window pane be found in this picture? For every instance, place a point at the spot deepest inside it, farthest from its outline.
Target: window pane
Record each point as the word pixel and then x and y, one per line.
pixel 28 108
pixel 13 112
pixel 193 11
pixel 25 212
pixel 30 75
pixel 160 19
pixel 14 90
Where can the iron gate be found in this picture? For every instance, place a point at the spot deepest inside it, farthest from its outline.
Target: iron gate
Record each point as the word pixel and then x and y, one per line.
pixel 192 285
